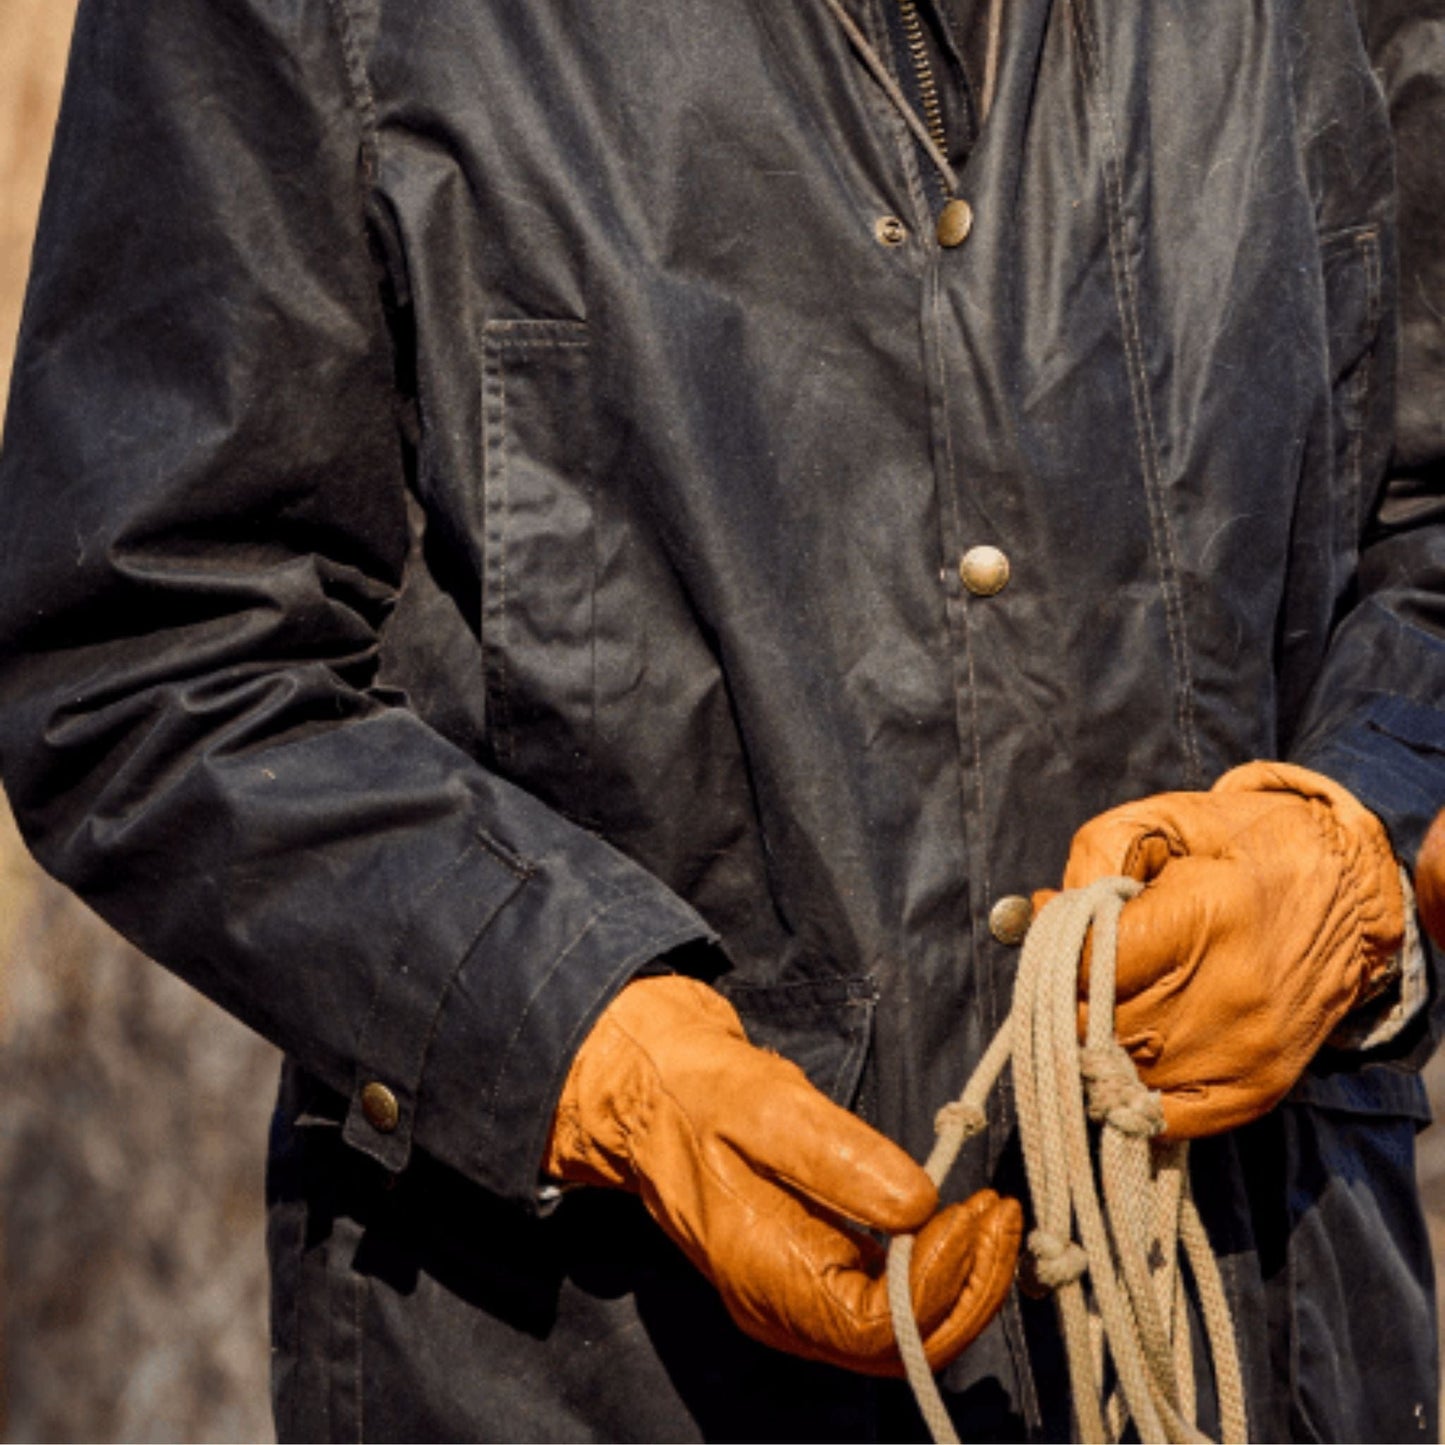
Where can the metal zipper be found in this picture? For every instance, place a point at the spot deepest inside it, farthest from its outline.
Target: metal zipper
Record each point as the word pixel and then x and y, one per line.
pixel 888 83
pixel 923 72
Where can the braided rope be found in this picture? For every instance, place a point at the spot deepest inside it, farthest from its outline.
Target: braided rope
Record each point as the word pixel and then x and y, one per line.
pixel 1118 1287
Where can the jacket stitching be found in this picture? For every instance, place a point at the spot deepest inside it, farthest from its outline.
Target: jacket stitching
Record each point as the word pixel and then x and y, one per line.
pixel 495 504
pixel 522 331
pixel 590 799
pixel 434 1024
pixel 520 868
pixel 394 947
pixel 989 974
pixel 362 97
pixel 501 337
pixel 539 343
pixel 974 743
pixel 1127 301
pixel 504 478
pixel 1367 244
pixel 494 1093
pixel 415 1064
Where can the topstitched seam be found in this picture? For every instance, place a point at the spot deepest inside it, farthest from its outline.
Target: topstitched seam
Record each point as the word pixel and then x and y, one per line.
pixel 1127 302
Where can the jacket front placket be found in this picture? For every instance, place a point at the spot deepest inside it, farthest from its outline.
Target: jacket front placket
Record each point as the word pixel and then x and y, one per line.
pixel 1003 479
pixel 962 313
pixel 969 446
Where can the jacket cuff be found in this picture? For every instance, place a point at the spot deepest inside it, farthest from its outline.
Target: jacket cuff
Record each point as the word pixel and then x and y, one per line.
pixel 1390 756
pixel 396 1037
pixel 466 1063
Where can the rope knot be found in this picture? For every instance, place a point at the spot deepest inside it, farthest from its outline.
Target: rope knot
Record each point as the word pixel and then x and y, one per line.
pixel 1129 1360
pixel 1116 1094
pixel 961 1115
pixel 1055 1262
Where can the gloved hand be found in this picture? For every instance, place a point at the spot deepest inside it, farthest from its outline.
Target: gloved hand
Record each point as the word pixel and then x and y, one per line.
pixel 767 1185
pixel 1430 881
pixel 1272 907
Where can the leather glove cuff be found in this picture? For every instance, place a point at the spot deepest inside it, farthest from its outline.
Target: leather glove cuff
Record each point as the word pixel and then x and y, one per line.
pixel 610 1091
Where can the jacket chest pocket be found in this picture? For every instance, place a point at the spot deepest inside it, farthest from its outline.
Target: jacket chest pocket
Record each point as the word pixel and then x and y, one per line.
pixel 538 520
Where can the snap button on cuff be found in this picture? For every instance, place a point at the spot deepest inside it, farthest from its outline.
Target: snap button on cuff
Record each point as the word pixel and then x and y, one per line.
pixel 1010 917
pixel 955 221
pixel 379 1105
pixel 984 571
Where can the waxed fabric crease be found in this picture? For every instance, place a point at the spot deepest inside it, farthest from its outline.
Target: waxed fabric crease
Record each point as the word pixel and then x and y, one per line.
pixel 481 515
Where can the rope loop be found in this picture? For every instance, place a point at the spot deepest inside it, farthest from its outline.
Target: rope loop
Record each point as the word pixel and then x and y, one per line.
pixel 1120 1286
pixel 1117 1095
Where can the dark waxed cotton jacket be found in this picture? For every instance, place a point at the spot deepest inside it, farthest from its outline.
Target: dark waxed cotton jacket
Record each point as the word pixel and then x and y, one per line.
pixel 482 512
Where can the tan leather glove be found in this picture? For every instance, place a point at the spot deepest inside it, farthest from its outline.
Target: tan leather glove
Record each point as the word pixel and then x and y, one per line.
pixel 1430 881
pixel 768 1186
pixel 1272 907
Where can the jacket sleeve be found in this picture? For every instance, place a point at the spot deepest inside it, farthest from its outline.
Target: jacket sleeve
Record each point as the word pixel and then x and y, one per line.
pixel 202 534
pixel 1376 717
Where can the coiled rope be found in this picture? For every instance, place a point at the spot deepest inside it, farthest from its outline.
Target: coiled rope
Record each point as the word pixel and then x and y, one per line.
pixel 1119 1287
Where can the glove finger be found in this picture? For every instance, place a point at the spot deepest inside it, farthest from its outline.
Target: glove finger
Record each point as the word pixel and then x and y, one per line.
pixel 1136 840
pixel 1163 933
pixel 851 1320
pixel 812 1288
pixel 835 1308
pixel 1000 1230
pixel 1139 840
pixel 1164 930
pixel 798 1136
pixel 1430 881
pixel 963 1263
pixel 1154 930
pixel 943 1255
pixel 854 1277
pixel 1152 951
pixel 1041 899
pixel 1142 838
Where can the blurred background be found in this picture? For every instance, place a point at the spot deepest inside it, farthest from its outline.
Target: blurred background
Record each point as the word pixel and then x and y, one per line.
pixel 132 1274
pixel 133 1133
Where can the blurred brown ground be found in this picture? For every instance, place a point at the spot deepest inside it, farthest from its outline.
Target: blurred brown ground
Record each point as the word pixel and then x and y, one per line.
pixel 131 1140
pixel 131 1143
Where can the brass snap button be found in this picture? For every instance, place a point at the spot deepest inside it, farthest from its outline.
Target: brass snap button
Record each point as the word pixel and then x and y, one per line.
pixel 890 231
pixel 984 571
pixel 1010 917
pixel 955 221
pixel 379 1105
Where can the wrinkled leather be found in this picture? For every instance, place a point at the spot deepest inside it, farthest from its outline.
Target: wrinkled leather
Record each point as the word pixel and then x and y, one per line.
pixel 768 1186
pixel 1272 906
pixel 1430 881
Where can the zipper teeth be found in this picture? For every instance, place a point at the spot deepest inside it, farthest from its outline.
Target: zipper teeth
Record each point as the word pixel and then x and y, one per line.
pixel 923 69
